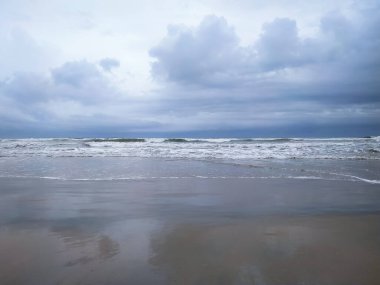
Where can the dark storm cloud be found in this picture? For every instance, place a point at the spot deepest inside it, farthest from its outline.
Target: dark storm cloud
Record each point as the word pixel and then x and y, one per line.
pixel 109 63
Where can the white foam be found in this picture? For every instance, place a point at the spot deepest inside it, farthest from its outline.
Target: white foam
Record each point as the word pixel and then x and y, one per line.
pixel 226 148
pixel 134 178
pixel 371 181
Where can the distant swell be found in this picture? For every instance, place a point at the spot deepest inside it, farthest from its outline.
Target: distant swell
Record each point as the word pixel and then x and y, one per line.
pixel 180 140
pixel 279 140
pixel 206 148
pixel 117 140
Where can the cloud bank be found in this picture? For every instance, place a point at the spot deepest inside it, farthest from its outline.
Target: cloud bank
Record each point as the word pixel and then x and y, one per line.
pixel 210 55
pixel 209 81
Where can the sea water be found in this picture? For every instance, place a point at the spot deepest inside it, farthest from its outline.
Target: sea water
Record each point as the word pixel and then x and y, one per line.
pixel 351 159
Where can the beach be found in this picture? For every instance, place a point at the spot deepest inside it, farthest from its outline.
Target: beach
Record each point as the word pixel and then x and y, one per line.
pixel 189 142
pixel 170 229
pixel 190 211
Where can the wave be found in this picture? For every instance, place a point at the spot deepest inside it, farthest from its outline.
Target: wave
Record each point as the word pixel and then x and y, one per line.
pixel 371 138
pixel 185 156
pixel 275 140
pixel 180 140
pixel 371 181
pixel 117 140
pixel 190 148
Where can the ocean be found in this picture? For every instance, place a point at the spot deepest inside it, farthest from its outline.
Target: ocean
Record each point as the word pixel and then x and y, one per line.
pixel 190 211
pixel 348 159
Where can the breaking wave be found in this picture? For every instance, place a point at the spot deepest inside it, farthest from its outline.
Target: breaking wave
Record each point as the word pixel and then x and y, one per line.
pixel 123 140
pixel 205 149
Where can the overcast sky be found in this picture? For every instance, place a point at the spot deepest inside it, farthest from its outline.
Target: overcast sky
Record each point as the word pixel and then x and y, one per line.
pixel 189 68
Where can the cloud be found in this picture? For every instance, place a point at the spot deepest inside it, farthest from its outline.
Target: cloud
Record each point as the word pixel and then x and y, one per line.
pixel 82 81
pixel 284 79
pixel 79 85
pixel 336 24
pixel 210 55
pixel 279 46
pixel 76 97
pixel 19 51
pixel 26 88
pixel 109 63
pixel 206 79
pixel 76 73
pixel 204 54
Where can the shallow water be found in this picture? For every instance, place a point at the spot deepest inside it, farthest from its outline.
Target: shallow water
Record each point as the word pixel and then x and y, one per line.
pixel 136 168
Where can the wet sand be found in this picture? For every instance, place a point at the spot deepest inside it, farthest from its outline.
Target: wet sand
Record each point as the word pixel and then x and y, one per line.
pixel 189 231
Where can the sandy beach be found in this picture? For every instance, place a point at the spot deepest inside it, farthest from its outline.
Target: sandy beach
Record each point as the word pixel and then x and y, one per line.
pixel 189 231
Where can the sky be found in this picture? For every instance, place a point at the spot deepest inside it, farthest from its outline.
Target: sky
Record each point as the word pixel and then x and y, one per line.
pixel 227 68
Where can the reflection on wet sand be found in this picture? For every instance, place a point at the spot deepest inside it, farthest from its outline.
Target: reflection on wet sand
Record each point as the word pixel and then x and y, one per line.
pixel 327 249
pixel 35 256
pixel 41 255
pixel 306 250
pixel 189 231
